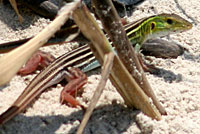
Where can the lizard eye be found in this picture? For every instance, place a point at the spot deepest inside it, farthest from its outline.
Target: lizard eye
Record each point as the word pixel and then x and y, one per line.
pixel 153 25
pixel 169 21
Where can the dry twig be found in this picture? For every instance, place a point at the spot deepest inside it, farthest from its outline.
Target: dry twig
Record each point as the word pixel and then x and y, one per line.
pixel 112 25
pixel 14 60
pixel 120 77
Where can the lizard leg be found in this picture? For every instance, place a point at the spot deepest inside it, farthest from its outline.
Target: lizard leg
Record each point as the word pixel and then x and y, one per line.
pixel 40 58
pixel 76 80
pixel 146 67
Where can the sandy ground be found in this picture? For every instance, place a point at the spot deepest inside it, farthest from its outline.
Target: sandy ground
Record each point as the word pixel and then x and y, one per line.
pixel 177 86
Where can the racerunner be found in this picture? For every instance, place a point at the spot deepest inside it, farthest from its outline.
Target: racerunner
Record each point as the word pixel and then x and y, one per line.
pixel 137 32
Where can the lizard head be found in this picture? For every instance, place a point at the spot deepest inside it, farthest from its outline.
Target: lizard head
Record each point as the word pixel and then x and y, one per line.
pixel 164 24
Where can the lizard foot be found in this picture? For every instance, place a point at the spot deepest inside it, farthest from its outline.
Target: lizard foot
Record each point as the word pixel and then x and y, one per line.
pixel 76 80
pixel 146 67
pixel 39 59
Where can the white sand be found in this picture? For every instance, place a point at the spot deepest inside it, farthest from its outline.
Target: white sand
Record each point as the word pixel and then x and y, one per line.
pixel 178 88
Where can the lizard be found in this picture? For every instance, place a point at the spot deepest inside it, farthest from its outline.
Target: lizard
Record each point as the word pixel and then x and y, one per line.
pixel 66 65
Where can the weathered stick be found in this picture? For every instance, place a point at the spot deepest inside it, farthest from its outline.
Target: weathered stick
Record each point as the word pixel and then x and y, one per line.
pixel 123 81
pixel 14 60
pixel 112 25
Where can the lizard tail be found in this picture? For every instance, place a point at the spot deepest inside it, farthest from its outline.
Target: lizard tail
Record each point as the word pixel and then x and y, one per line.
pixel 9 113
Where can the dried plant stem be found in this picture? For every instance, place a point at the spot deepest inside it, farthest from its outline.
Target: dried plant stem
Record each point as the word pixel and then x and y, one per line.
pixel 14 60
pixel 120 77
pixel 112 25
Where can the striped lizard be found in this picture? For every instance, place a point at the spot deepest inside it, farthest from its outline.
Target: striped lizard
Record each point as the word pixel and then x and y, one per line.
pixel 66 65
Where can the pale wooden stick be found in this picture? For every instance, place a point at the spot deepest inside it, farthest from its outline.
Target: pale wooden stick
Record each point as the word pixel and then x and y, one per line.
pixel 13 61
pixel 107 66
